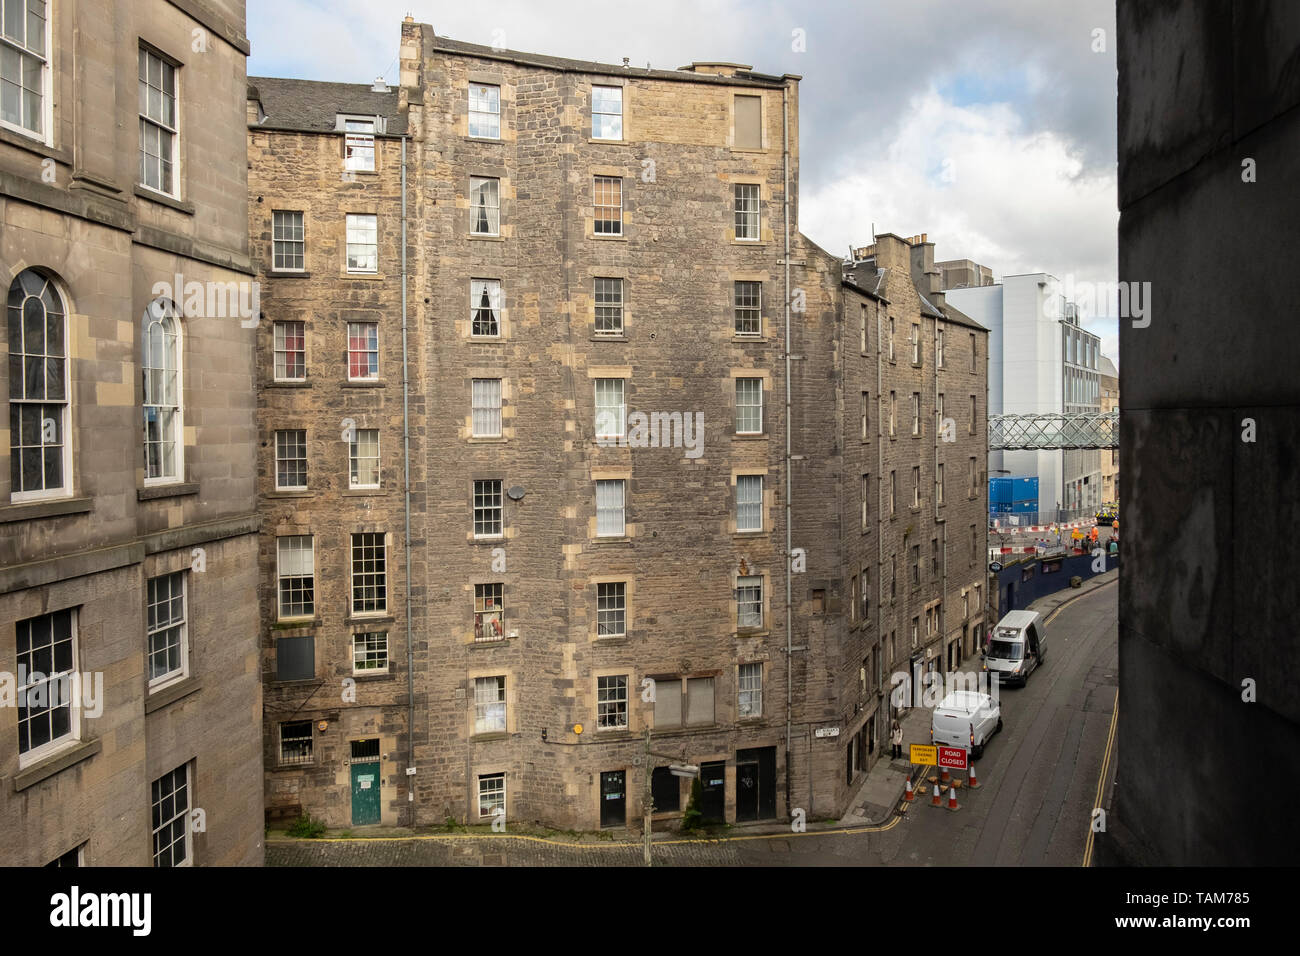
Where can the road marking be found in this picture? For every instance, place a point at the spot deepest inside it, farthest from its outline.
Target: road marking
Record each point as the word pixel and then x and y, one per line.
pixel 1101 780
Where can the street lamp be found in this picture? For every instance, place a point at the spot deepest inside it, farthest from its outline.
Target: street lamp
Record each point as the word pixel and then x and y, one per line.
pixel 647 798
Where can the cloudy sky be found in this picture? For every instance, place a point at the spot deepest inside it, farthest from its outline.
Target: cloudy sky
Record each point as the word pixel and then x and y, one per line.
pixel 988 124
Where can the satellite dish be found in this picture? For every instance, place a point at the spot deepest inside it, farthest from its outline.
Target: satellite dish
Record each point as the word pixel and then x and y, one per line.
pixel 516 492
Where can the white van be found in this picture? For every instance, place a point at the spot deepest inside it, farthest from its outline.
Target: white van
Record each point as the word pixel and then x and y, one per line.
pixel 966 719
pixel 1016 647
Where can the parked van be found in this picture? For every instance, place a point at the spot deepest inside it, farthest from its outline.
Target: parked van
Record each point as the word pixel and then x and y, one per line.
pixel 966 719
pixel 1016 647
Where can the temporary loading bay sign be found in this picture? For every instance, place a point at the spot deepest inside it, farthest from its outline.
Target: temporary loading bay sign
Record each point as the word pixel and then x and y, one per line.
pixel 926 756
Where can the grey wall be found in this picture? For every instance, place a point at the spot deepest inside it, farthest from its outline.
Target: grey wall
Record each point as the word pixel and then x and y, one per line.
pixel 1208 591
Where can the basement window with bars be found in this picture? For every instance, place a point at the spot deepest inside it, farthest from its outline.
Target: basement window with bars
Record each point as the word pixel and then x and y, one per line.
pixel 295 742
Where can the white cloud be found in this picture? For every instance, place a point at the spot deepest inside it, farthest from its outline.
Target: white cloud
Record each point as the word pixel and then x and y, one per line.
pixel 983 187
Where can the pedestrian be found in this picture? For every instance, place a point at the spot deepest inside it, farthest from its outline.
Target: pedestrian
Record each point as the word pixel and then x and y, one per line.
pixel 896 739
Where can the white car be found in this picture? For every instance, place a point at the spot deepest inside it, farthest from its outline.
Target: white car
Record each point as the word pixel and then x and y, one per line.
pixel 966 719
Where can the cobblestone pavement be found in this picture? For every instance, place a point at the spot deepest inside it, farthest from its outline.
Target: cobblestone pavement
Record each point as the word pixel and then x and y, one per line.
pixel 491 851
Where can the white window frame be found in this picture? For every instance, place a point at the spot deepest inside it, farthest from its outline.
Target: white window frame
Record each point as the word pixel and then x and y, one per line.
pixel 916 414
pixel 485 404
pixel 893 414
pixel 280 458
pixel 364 645
pixel 362 327
pixel 756 384
pixel 749 690
pixel 147 121
pixel 891 338
pixel 356 458
pixel 362 226
pixel 916 486
pixel 611 506
pixel 489 612
pixel 938 482
pixel 495 796
pixel 478 188
pixel 610 403
pixel 753 313
pixel 294 243
pixel 744 216
pixel 375 580
pixel 279 347
pixel 749 506
pixel 866 500
pixel 64 405
pixel 597 206
pixel 483 92
pixel 916 343
pixel 491 289
pixel 45 111
pixel 611 609
pixel 490 704
pixel 280 575
pixel 938 348
pixel 597 130
pixel 610 299
pixel 182 816
pixel 157 313
pixel 55 682
pixel 359 134
pixel 749 594
pixel 608 710
pixel 490 500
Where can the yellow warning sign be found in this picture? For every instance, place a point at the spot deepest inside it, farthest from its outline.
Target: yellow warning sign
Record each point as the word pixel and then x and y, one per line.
pixel 925 756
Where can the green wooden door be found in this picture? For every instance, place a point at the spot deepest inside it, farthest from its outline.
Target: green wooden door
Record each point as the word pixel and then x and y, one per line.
pixel 365 793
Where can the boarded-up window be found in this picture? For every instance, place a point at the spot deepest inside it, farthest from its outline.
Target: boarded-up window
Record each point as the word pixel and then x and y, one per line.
pixel 295 658
pixel 668 702
pixel 699 700
pixel 749 122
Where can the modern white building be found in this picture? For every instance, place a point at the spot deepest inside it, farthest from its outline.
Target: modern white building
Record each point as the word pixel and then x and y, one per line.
pixel 1040 362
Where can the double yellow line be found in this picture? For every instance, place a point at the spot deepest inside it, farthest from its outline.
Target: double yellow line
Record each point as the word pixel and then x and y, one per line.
pixel 1101 782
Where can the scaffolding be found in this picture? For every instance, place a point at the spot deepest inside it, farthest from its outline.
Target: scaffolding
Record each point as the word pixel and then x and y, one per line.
pixel 1050 432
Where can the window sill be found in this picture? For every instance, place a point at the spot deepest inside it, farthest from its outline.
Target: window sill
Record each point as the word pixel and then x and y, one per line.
pixel 748 632
pixel 290 494
pixel 25 139
pixel 295 623
pixel 486 441
pixel 621 337
pixel 750 339
pixel 44 769
pixel 611 539
pixel 289 384
pixel 160 698
pixel 178 490
pixel 51 508
pixel 289 274
pixel 491 735
pixel 601 141
pixel 750 149
pixel 363 276
pixel 365 493
pixel 478 237
pixel 162 199
pixel 372 676
pixel 608 236
pixel 487 541
pixel 750 242
pixel 361 620
pixel 612 640
pixel 369 383
pixel 748 437
pixel 495 642
pixel 749 535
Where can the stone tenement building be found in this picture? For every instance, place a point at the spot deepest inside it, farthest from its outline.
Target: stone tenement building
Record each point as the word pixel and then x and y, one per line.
pixel 594 285
pixel 128 530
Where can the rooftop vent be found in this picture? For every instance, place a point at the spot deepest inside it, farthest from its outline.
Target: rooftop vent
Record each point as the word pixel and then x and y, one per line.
pixel 380 86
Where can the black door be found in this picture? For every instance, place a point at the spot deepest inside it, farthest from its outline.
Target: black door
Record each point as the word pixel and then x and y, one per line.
pixel 759 799
pixel 713 791
pixel 613 799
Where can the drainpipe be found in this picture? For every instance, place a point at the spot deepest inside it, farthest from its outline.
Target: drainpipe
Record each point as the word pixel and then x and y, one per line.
pixel 942 525
pixel 406 474
pixel 880 474
pixel 789 616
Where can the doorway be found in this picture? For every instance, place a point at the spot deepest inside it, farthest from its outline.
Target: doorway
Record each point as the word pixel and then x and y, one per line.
pixel 365 782
pixel 713 791
pixel 613 799
pixel 756 784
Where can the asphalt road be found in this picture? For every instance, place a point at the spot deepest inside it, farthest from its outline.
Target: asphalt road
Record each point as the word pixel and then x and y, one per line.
pixel 1038 776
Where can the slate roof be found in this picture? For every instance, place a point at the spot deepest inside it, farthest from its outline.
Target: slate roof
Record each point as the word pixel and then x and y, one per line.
pixel 310 106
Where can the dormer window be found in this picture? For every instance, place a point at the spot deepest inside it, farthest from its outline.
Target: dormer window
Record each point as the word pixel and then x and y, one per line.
pixel 359 141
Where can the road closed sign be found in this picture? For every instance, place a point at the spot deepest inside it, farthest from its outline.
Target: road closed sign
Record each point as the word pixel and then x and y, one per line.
pixel 924 756
pixel 954 758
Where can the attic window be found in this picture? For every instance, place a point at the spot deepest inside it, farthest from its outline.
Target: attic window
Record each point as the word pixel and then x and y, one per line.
pixel 359 140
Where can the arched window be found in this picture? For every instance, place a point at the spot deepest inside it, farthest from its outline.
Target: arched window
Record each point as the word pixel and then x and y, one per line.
pixel 39 461
pixel 164 451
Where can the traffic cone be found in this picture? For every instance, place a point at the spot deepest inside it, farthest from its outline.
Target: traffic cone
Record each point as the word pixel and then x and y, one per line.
pixel 907 797
pixel 952 799
pixel 937 801
pixel 972 783
pixel 945 778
